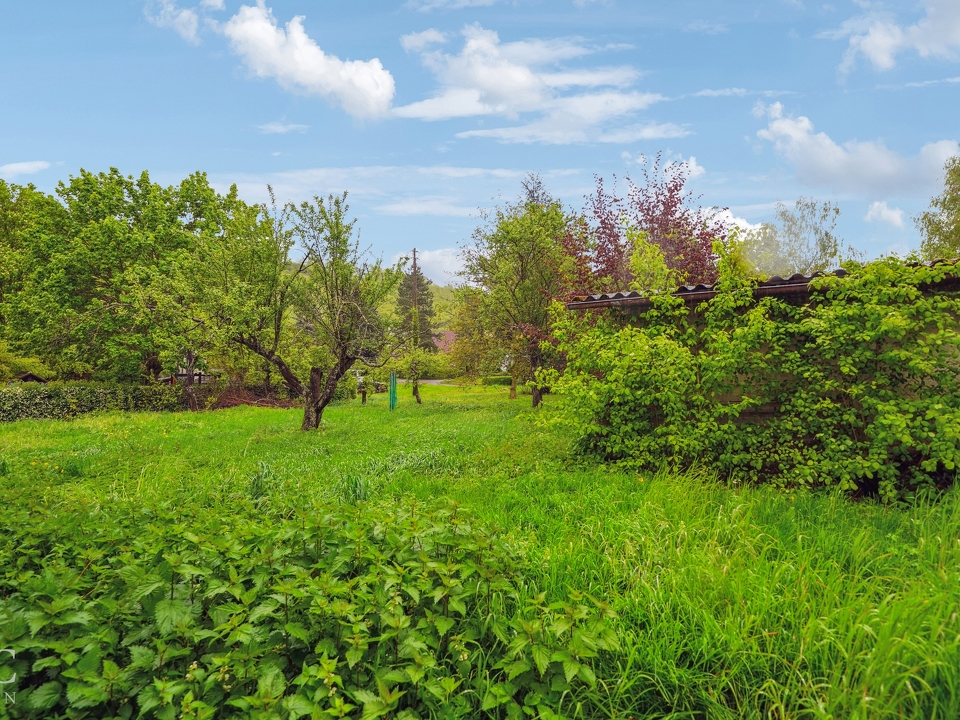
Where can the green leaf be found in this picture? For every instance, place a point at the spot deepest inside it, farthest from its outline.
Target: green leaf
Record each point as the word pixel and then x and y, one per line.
pixel 443 624
pixel 169 614
pixel 541 656
pixel 45 696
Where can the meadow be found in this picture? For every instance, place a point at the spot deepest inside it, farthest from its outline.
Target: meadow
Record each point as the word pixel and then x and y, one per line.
pixel 730 601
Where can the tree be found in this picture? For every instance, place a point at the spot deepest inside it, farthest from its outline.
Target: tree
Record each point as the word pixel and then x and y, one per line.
pixel 338 301
pixel 416 281
pixel 517 261
pixel 940 225
pixel 415 308
pixel 475 351
pixel 664 210
pixel 69 303
pixel 801 241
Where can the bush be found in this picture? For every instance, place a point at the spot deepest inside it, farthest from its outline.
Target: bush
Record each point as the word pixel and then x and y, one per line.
pixel 857 389
pixel 371 609
pixel 346 388
pixel 497 380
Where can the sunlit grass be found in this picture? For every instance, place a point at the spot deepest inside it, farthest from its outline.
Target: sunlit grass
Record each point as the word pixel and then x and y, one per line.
pixel 732 602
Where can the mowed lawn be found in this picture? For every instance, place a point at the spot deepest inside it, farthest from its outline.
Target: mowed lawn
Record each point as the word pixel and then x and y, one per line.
pixel 731 602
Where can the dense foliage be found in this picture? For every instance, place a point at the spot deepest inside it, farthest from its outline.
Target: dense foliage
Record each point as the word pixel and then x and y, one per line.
pixel 169 611
pixel 857 388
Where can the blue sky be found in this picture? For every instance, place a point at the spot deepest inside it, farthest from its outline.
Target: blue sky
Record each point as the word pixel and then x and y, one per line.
pixel 426 110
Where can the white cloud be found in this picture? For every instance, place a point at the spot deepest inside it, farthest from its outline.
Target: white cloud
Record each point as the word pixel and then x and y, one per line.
pixel 12 170
pixel 857 168
pixel 363 88
pixel 729 219
pixel 166 14
pixel 927 83
pixel 442 266
pixel 877 36
pixel 417 41
pixel 489 77
pixel 428 5
pixel 693 169
pixel 707 28
pixel 880 212
pixel 723 92
pixel 279 128
pixel 212 4
pixel 442 206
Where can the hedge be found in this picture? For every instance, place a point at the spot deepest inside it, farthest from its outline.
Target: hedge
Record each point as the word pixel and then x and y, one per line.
pixel 58 401
pixel 66 400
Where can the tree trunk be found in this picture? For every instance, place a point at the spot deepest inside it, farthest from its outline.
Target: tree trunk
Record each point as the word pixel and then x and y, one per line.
pixel 363 396
pixel 416 391
pixel 537 395
pixel 513 388
pixel 311 400
pixel 188 383
pixel 318 394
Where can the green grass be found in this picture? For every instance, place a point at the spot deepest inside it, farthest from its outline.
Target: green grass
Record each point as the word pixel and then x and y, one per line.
pixel 731 602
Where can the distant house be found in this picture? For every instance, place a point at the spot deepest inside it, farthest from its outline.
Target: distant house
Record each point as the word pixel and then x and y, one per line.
pixel 444 340
pixel 29 377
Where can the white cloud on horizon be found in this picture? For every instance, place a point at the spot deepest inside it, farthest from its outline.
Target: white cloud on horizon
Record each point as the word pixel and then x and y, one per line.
pixel 857 168
pixel 364 88
pixel 878 37
pixel 167 14
pixel 881 212
pixel 432 205
pixel 382 184
pixel 12 170
pixel 441 266
pixel 276 127
pixel 729 219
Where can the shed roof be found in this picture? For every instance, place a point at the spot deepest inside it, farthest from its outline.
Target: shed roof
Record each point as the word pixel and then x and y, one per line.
pixel 796 285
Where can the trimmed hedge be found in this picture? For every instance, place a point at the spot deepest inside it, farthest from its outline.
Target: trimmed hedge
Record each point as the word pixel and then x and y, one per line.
pixel 58 401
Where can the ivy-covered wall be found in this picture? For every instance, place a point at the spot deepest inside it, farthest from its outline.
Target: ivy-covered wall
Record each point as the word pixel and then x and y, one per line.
pixel 859 386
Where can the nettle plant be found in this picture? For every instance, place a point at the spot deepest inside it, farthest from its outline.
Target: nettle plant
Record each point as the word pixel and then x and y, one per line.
pixel 392 610
pixel 857 388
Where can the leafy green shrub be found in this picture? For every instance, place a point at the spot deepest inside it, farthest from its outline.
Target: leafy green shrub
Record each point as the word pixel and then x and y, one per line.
pixel 65 400
pixel 858 388
pixel 496 380
pixel 346 388
pixel 350 610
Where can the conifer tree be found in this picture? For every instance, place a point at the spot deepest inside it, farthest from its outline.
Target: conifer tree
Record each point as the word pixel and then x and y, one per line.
pixel 425 312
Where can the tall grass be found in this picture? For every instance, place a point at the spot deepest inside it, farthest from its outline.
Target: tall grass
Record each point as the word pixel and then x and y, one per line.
pixel 731 602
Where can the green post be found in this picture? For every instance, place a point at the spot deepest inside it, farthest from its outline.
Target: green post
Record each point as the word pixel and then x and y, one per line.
pixel 393 390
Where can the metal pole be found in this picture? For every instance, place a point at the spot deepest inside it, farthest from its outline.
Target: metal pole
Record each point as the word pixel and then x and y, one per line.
pixel 393 390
